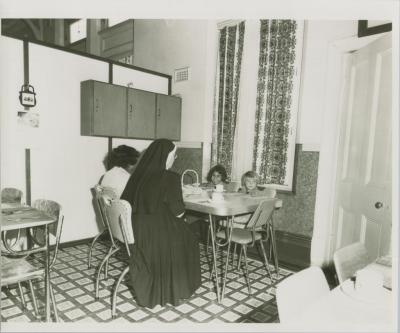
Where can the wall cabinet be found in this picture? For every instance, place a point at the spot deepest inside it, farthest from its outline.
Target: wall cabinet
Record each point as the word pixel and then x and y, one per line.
pixel 112 110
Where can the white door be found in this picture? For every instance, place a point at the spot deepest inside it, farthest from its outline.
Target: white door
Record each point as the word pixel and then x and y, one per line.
pixel 362 210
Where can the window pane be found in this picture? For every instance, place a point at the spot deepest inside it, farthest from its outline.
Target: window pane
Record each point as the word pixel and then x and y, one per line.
pixel 77 31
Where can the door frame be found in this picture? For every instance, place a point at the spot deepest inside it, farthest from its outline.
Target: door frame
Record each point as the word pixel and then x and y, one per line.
pixel 323 239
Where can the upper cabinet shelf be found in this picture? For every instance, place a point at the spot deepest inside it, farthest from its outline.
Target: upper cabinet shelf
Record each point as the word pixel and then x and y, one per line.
pixel 117 111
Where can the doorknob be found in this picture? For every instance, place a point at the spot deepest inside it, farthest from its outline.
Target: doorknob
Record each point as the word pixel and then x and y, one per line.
pixel 378 205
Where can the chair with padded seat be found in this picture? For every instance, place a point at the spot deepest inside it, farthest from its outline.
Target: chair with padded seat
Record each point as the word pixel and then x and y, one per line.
pixel 11 195
pixel 98 190
pixel 18 270
pixel 109 205
pixel 299 290
pixel 248 237
pixel 349 259
pixel 119 214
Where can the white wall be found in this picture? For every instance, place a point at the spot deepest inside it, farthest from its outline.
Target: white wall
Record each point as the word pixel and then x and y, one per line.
pixel 317 36
pixel 166 45
pixel 64 164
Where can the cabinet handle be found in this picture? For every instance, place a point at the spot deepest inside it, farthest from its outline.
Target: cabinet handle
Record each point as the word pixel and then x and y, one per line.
pixel 158 113
pixel 378 205
pixel 97 105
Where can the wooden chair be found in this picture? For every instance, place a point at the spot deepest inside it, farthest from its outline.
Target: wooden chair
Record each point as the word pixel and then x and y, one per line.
pixel 98 190
pixel 20 270
pixel 349 259
pixel 119 214
pixel 248 236
pixel 299 290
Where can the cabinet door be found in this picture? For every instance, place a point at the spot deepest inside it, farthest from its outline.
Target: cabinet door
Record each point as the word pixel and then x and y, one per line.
pixel 141 114
pixel 168 120
pixel 109 110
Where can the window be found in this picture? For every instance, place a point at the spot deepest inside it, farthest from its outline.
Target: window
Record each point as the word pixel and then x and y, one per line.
pixel 77 31
pixel 264 130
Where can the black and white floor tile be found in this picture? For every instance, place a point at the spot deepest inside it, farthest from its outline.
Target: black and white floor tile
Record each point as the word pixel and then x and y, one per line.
pixel 74 288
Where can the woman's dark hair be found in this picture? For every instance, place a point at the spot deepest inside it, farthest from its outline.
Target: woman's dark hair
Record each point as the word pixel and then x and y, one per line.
pixel 220 169
pixel 122 156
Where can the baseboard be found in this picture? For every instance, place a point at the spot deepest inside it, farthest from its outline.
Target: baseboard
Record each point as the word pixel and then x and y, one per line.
pixel 293 250
pixel 76 242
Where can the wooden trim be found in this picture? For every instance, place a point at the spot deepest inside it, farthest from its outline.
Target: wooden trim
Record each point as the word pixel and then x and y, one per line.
pixel 293 250
pixel 95 57
pixel 363 29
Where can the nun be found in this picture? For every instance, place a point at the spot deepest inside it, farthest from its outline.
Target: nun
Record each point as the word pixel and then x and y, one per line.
pixel 165 261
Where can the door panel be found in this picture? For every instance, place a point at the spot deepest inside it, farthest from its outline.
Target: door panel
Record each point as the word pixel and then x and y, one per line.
pixel 141 114
pixel 168 124
pixel 109 114
pixel 363 189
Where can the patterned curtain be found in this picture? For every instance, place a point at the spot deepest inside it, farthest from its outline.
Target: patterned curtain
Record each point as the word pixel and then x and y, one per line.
pixel 227 91
pixel 274 99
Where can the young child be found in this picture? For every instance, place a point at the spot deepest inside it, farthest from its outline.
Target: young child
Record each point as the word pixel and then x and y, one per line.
pixel 250 186
pixel 217 176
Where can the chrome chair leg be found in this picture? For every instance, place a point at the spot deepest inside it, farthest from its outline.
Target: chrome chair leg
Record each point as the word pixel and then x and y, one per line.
pixel 21 294
pixel 110 253
pixel 266 260
pixel 91 247
pixel 273 243
pixel 233 255
pixel 246 268
pixel 34 302
pixel 226 271
pixel 114 296
pixel 53 300
pixel 240 257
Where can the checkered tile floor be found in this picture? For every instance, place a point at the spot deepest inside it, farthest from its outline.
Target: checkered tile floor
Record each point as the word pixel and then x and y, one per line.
pixel 74 291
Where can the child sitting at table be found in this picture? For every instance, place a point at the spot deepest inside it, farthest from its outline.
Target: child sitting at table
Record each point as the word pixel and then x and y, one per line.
pixel 250 186
pixel 216 176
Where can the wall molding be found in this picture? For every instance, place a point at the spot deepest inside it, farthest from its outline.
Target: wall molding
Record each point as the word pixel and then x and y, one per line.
pixel 293 250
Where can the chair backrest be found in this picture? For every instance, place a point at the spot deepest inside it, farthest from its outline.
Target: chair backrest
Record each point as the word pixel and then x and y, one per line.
pixel 349 259
pixel 98 192
pixel 298 291
pixel 52 209
pixel 11 195
pixel 118 213
pixel 263 214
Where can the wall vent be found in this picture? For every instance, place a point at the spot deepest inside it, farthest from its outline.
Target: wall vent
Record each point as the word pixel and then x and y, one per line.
pixel 181 74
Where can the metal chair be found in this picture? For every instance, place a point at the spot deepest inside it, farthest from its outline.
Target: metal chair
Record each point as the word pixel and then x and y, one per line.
pixel 11 195
pixel 349 259
pixel 20 270
pixel 248 236
pixel 298 291
pixel 98 190
pixel 14 196
pixel 119 214
pixel 114 230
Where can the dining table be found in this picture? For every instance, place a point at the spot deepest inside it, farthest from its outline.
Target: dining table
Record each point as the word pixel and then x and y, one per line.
pixel 16 217
pixel 228 206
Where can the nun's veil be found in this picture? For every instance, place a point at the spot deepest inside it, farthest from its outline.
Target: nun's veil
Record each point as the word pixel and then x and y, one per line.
pixel 149 167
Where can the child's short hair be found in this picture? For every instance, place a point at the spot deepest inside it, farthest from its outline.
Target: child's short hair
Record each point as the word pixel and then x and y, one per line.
pixel 249 174
pixel 220 169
